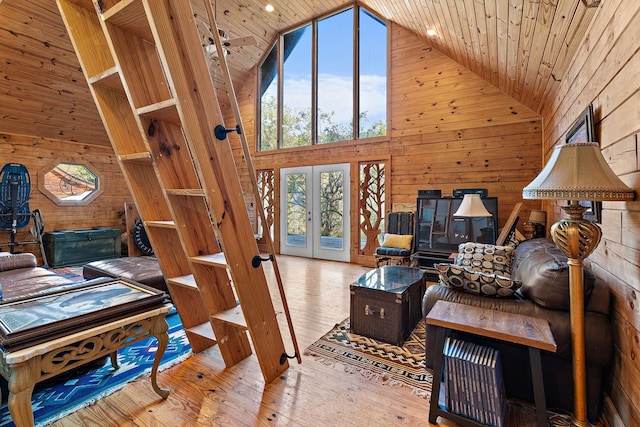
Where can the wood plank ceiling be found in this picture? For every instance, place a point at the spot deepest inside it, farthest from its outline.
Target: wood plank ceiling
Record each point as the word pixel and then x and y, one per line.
pixel 521 46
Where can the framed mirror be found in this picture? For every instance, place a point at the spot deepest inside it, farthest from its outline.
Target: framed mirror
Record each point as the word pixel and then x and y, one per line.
pixel 583 130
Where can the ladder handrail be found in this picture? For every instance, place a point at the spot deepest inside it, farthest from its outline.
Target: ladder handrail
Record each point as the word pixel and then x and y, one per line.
pixel 254 183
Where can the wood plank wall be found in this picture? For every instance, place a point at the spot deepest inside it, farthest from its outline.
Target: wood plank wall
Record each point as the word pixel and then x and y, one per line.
pixel 606 72
pixel 449 129
pixel 38 153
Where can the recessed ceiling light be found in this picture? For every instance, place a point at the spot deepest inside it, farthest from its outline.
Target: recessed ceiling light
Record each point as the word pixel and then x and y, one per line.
pixel 269 8
pixel 431 32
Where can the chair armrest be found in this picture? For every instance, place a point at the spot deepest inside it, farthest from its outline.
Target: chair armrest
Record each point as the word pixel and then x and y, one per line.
pixel 15 261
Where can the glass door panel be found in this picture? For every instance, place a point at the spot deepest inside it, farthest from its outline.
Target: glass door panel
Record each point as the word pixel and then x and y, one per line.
pixel 315 212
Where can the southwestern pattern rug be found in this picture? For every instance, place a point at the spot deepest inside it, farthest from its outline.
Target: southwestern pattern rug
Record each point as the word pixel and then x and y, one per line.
pixel 377 360
pixel 53 400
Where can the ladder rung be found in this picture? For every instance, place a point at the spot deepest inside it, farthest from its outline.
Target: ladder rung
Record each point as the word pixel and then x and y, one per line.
pixel 187 281
pixel 127 15
pixel 160 224
pixel 194 192
pixel 217 260
pixel 164 111
pixel 204 330
pixel 144 157
pixel 233 316
pixel 109 79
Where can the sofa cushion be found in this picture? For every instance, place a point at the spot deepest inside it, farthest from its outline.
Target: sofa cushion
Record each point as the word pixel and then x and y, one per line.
pixel 544 272
pixel 476 282
pixel 485 257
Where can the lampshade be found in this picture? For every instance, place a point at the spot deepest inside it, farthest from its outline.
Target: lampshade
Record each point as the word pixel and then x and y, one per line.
pixel 472 206
pixel 538 217
pixel 577 171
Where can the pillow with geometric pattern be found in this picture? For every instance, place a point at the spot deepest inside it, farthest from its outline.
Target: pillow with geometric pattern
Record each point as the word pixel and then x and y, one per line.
pixel 476 282
pixel 485 257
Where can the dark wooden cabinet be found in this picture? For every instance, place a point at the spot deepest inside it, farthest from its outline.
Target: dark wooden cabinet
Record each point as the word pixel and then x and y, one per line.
pixel 438 233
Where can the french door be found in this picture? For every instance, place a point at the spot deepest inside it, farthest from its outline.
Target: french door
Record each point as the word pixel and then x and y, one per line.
pixel 315 211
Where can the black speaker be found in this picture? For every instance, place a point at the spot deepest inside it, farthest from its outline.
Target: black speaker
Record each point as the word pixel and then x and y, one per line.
pixel 429 193
pixel 460 192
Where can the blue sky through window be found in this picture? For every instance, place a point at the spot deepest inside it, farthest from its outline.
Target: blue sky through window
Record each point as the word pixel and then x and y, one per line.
pixel 335 71
pixel 335 54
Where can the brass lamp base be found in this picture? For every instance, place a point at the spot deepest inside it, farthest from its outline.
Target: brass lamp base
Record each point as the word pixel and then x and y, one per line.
pixel 577 238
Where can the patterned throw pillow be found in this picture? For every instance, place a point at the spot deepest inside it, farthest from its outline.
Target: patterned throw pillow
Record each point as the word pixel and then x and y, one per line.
pixel 476 282
pixel 486 258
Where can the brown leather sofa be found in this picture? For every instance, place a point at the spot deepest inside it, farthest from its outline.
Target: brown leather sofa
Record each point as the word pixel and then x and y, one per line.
pixel 21 276
pixel 543 271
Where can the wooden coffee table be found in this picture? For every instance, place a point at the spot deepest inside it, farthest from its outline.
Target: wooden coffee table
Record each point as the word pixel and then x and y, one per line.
pixel 25 367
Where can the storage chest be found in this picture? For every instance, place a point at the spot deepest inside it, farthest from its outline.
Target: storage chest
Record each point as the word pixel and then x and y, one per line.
pixel 69 247
pixel 386 303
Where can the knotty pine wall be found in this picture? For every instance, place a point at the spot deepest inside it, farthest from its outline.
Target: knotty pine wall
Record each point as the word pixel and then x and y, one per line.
pixel 38 153
pixel 448 129
pixel 606 72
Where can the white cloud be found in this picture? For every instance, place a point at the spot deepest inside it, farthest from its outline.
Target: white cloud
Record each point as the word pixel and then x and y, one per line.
pixel 336 94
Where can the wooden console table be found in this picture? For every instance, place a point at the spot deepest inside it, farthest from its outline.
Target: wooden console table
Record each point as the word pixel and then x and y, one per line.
pixel 25 367
pixel 531 332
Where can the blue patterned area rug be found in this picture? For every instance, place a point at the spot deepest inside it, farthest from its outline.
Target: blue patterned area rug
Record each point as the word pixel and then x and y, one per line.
pixel 377 360
pixel 75 392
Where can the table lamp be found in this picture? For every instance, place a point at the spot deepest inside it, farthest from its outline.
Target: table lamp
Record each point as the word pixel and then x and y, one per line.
pixel 575 172
pixel 539 221
pixel 472 207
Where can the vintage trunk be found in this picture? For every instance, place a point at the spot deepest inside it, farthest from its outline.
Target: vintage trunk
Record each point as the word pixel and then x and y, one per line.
pixel 69 247
pixel 386 303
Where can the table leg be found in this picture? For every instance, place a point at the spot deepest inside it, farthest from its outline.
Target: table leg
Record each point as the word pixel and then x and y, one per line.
pixel 538 387
pixel 114 360
pixel 434 409
pixel 159 330
pixel 21 382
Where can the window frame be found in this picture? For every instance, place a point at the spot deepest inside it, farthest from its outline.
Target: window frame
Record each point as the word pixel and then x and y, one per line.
pixel 279 41
pixel 62 202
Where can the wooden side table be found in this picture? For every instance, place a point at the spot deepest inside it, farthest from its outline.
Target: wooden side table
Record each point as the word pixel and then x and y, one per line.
pixel 531 332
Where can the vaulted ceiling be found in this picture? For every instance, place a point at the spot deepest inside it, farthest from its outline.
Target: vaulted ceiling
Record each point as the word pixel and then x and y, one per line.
pixel 521 46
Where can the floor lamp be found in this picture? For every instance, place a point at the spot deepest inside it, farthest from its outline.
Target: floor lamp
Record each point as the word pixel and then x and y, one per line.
pixel 576 172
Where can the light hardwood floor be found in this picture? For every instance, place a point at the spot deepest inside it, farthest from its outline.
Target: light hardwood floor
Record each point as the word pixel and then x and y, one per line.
pixel 204 393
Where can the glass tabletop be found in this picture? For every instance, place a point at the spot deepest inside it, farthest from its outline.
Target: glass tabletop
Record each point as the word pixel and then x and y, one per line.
pixel 390 278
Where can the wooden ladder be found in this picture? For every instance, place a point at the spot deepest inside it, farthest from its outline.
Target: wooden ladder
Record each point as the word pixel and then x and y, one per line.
pixel 150 81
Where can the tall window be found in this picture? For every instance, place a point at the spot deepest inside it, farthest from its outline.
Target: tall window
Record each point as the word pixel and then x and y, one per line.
pixel 325 82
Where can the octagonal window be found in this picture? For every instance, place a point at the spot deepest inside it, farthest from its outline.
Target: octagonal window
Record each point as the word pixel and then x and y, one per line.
pixel 70 184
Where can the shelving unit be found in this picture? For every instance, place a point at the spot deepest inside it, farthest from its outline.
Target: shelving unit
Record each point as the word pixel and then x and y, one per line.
pixel 150 81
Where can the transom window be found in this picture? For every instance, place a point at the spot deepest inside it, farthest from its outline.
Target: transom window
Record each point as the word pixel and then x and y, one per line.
pixel 307 82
